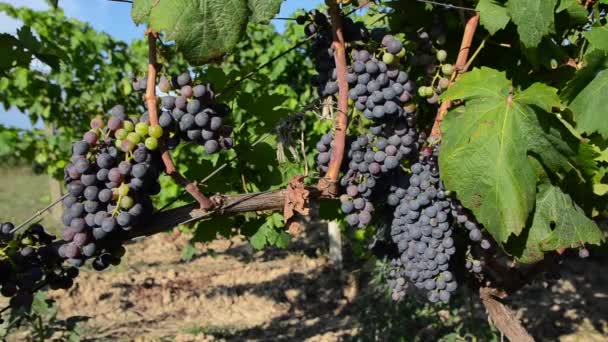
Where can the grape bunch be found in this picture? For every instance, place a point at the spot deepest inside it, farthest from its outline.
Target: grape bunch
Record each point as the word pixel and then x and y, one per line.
pixel 422 230
pixel 397 189
pixel 29 261
pixel 429 55
pixel 359 182
pixel 112 175
pixel 190 113
pixel 382 93
pixel 373 164
pixel 318 26
pixel 438 78
pixel 324 147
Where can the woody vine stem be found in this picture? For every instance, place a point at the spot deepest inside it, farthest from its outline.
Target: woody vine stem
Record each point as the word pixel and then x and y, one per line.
pixel 170 168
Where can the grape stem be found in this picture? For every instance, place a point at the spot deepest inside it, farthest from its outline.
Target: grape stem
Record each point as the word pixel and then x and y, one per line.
pixel 329 184
pixel 170 168
pixel 460 67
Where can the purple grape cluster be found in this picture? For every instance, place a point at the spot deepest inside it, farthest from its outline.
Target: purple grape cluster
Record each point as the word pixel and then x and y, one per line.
pixel 422 230
pixel 383 94
pixel 28 261
pixel 324 147
pixel 192 114
pixel 112 175
pixel 359 182
pixel 373 162
pixel 318 25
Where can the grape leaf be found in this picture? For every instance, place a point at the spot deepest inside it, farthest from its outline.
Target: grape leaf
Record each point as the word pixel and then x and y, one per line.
pixel 598 38
pixel 141 10
pixel 595 61
pixel 203 29
pixel 493 15
pixel 487 143
pixel 589 106
pixel 577 13
pixel 572 226
pixel 271 233
pixel 188 252
pixel 534 19
pixel 557 223
pixel 264 10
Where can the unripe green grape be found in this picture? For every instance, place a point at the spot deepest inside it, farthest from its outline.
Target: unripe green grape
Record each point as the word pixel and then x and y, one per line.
pixel 442 55
pixel 401 53
pixel 429 91
pixel 134 138
pixel 422 91
pixel 121 134
pixel 447 69
pixel 118 143
pixel 554 63
pixel 388 58
pixel 142 129
pixel 126 202
pixel 151 143
pixel 123 189
pixel 127 125
pixel 155 131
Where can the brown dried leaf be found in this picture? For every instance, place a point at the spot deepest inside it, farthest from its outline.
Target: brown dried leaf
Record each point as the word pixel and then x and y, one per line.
pixel 296 201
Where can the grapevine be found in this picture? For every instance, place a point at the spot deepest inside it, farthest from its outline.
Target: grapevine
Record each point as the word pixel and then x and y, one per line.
pixel 465 140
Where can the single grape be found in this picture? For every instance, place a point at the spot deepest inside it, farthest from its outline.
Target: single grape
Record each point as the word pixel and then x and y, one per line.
pixel 155 131
pixel 142 129
pixel 151 143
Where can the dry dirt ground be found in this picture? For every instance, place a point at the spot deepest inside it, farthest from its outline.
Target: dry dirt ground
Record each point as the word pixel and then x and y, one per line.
pixel 230 292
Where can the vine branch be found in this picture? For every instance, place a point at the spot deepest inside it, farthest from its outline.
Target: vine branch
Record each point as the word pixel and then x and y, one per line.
pixel 329 184
pixel 460 67
pixel 502 317
pixel 170 168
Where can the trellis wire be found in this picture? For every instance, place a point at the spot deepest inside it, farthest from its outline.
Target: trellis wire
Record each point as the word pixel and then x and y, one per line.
pixel 39 213
pixel 447 6
pixel 260 67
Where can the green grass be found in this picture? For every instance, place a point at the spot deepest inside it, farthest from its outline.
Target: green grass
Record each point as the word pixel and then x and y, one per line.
pixel 22 193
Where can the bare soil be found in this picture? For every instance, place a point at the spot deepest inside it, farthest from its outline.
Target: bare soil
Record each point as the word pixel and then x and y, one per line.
pixel 231 292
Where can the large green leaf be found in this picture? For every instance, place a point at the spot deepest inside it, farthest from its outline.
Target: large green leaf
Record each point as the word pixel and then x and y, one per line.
pixel 534 19
pixel 141 10
pixel 598 38
pixel 487 144
pixel 203 29
pixel 595 61
pixel 578 14
pixel 493 15
pixel 557 223
pixel 570 227
pixel 264 10
pixel 589 106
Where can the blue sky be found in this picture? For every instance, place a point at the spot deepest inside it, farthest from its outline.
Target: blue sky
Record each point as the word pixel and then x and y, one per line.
pixel 110 17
